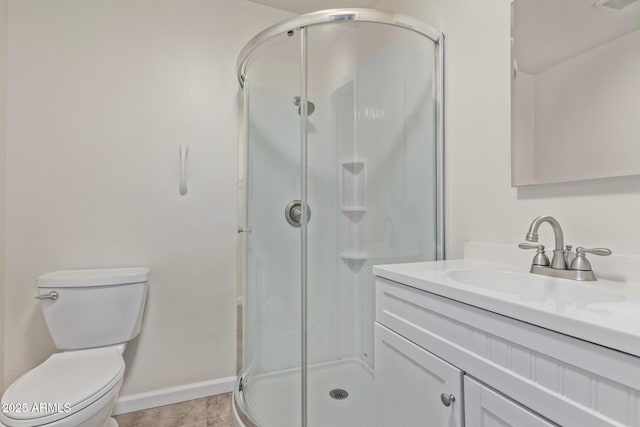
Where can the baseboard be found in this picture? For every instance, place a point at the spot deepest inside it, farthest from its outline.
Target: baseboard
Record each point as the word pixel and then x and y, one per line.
pixel 167 396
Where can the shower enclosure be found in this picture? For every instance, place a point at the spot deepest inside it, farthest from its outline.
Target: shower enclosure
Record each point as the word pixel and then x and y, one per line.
pixel 341 169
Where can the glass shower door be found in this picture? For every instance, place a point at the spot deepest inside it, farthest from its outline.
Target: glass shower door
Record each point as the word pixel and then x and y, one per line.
pixel 372 185
pixel 272 260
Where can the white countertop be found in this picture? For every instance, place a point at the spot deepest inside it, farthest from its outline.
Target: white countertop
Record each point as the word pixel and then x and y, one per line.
pixel 603 312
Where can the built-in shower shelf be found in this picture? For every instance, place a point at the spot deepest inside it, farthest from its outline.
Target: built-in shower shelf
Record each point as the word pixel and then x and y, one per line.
pixel 353 256
pixel 354 167
pixel 353 182
pixel 348 209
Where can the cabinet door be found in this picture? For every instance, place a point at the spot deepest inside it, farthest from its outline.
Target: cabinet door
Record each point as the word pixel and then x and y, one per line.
pixel 484 407
pixel 410 382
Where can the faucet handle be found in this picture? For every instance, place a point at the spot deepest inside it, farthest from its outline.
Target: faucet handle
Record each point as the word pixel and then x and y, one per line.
pixel 541 258
pixel 581 262
pixel 594 251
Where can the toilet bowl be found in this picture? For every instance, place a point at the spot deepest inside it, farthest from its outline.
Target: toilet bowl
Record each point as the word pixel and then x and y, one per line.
pixel 91 314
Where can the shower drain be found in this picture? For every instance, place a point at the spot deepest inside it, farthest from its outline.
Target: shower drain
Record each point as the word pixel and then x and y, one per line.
pixel 339 394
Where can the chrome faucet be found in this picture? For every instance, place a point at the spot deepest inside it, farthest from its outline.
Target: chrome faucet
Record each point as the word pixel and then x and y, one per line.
pixel 558 261
pixel 563 264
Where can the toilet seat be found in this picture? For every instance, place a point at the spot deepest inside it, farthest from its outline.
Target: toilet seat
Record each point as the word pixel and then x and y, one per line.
pixel 65 383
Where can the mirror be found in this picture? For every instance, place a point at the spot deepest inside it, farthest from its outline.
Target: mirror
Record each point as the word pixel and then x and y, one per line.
pixel 575 110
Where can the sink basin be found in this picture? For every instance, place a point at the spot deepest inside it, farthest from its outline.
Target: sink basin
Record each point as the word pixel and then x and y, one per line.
pixel 534 287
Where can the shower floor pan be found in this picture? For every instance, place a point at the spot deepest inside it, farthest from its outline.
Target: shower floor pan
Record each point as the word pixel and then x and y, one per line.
pixel 274 398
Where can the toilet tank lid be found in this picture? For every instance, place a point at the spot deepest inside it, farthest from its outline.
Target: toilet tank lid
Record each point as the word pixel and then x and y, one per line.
pixel 93 277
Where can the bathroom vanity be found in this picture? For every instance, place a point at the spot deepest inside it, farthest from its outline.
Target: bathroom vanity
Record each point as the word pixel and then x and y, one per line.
pixel 472 343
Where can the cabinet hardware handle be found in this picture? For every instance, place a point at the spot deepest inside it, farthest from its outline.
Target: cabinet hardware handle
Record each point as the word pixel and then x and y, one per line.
pixel 447 399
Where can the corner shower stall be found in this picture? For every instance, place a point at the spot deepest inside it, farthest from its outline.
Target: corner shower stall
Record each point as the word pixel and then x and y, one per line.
pixel 341 169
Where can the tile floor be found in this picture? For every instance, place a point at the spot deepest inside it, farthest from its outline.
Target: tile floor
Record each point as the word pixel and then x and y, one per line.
pixel 214 411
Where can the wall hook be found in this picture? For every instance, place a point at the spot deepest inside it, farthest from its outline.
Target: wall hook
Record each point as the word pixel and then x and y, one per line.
pixel 184 150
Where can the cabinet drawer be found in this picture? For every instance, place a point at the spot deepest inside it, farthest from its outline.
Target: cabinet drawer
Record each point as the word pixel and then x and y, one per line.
pixel 570 381
pixel 409 384
pixel 484 407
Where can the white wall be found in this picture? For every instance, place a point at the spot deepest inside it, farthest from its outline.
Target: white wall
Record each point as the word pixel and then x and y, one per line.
pixel 3 115
pixel 100 95
pixel 481 204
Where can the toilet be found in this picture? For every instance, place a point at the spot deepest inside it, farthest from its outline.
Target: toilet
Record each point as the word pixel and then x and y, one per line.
pixel 91 315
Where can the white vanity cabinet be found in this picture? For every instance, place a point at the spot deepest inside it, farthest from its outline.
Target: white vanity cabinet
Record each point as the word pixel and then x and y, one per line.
pixel 501 371
pixel 409 384
pixel 484 407
pixel 417 388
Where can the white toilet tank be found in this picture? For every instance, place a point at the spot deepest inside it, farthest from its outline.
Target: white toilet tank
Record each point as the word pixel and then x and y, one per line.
pixel 93 308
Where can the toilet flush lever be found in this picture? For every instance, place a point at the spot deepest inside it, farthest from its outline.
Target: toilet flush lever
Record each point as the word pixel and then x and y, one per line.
pixel 53 295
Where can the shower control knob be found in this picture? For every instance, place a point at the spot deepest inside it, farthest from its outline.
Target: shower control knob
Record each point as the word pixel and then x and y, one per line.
pixel 293 213
pixel 447 399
